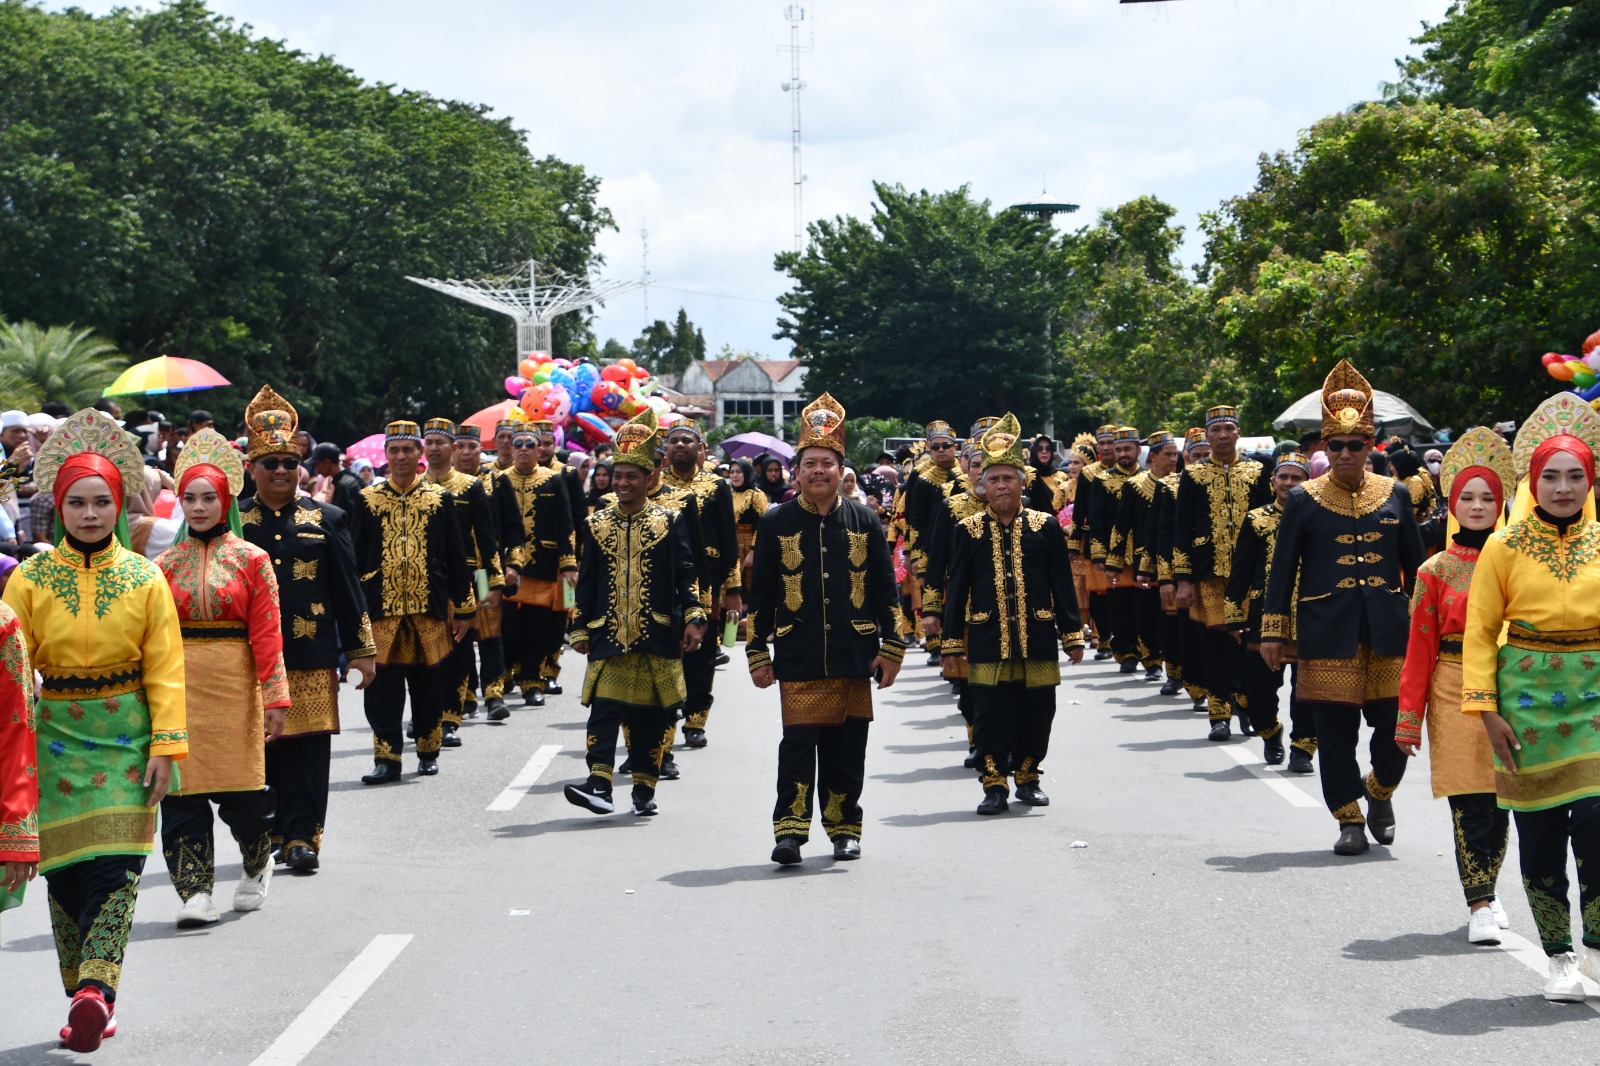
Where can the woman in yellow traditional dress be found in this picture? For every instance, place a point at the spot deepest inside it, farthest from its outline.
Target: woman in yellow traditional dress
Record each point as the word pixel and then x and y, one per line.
pixel 227 598
pixel 102 630
pixel 749 504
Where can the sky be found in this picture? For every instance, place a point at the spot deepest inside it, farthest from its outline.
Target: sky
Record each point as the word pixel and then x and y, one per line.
pixel 678 106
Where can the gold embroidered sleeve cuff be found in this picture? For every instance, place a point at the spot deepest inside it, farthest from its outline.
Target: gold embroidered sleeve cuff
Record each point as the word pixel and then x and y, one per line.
pixel 1275 627
pixel 1072 639
pixel 463 611
pixel 567 562
pixel 952 646
pixel 694 616
pixel 893 650
pixel 1480 701
pixel 757 658
pixel 932 601
pixel 1234 615
pixel 366 647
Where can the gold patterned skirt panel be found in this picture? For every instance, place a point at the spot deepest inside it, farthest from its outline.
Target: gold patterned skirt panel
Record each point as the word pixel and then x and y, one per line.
pixel 825 701
pixel 1033 673
pixel 411 638
pixel 222 708
pixel 1459 756
pixel 488 621
pixel 1097 580
pixel 636 679
pixel 1355 682
pixel 1209 608
pixel 314 703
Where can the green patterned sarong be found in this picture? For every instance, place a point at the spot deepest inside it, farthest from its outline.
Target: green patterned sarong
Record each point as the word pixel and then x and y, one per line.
pixel 92 755
pixel 1549 687
pixel 636 679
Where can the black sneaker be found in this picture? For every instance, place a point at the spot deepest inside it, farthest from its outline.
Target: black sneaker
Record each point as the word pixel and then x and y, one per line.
pixel 1102 654
pixel 1128 666
pixel 450 739
pixel 497 710
pixel 1152 673
pixel 669 769
pixel 644 807
pixel 589 798
pixel 1171 688
pixel 722 659
pixel 469 711
pixel 694 738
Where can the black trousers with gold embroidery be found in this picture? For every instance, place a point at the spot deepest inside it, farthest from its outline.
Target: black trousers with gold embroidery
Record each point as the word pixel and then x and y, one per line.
pixel 1222 672
pixel 1170 637
pixel 1011 730
pixel 699 671
pixel 385 703
pixel 832 758
pixel 1261 686
pixel 297 773
pixel 1338 733
pixel 189 848
pixel 1543 838
pixel 531 635
pixel 1122 604
pixel 91 914
pixel 1192 653
pixel 458 664
pixel 649 732
pixel 1482 827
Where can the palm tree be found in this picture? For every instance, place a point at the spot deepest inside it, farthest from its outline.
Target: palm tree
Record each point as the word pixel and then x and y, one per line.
pixel 61 363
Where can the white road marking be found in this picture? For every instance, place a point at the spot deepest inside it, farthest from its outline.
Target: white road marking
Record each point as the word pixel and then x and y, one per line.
pixel 324 1012
pixel 512 794
pixel 1247 759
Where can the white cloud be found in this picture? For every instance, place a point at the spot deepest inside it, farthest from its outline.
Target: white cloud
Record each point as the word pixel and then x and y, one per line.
pixel 677 106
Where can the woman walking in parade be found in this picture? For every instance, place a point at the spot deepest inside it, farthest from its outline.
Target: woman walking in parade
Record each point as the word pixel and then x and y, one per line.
pixel 1474 477
pixel 227 598
pixel 1538 696
pixel 102 630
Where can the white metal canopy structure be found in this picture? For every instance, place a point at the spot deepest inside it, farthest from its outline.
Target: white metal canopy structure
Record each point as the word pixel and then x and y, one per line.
pixel 533 303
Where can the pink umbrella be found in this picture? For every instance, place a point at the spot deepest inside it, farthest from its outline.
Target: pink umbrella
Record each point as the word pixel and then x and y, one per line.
pixel 368 448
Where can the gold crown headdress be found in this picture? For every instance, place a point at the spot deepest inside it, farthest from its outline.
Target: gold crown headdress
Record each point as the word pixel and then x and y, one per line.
pixel 90 431
pixel 1480 446
pixel 636 440
pixel 1347 403
pixel 210 448
pixel 271 423
pixel 822 425
pixel 1000 444
pixel 1565 412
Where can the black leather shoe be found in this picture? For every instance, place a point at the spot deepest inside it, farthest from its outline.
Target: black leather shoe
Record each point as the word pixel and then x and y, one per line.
pixel 994 802
pixel 935 659
pixel 553 688
pixel 1032 795
pixel 787 853
pixel 1102 654
pixel 722 659
pixel 451 738
pixel 1200 706
pixel 1152 673
pixel 627 766
pixel 384 772
pixel 1352 840
pixel 1380 819
pixel 1219 730
pixel 469 711
pixel 669 769
pixel 428 766
pixel 411 731
pixel 535 699
pixel 694 738
pixel 1300 762
pixel 1171 688
pixel 1245 728
pixel 302 859
pixel 971 761
pixel 846 849
pixel 1273 750
pixel 1128 666
pixel 497 709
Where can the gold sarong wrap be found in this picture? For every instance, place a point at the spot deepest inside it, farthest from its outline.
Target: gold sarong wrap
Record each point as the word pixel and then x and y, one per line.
pixel 1208 607
pixel 1355 682
pixel 637 680
pixel 410 639
pixel 222 707
pixel 314 707
pixel 1459 754
pixel 487 622
pixel 826 701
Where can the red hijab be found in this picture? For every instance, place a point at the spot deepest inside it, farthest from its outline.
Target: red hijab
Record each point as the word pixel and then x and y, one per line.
pixel 1561 442
pixel 212 476
pixel 1488 476
pixel 88 464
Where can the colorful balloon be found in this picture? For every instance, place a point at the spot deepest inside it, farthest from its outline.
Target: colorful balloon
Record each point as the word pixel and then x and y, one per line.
pixel 515 385
pixel 1583 378
pixel 1562 371
pixel 558 405
pixel 526 367
pixel 533 400
pixel 616 373
pixel 1551 357
pixel 607 396
pixel 593 427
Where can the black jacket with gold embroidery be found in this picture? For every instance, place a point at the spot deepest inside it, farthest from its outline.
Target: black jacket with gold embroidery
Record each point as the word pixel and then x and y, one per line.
pixel 1252 563
pixel 1105 500
pixel 474 514
pixel 319 595
pixel 549 543
pixel 637 579
pixel 1352 552
pixel 410 554
pixel 823 591
pixel 961 504
pixel 508 533
pixel 1155 560
pixel 719 533
pixel 1129 534
pixel 1010 590
pixel 1212 502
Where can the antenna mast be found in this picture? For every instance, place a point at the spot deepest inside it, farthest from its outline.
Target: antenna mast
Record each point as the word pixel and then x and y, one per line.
pixel 644 273
pixel 796 14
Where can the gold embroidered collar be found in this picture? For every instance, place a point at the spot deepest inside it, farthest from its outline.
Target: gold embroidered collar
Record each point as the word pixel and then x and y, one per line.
pixel 1374 492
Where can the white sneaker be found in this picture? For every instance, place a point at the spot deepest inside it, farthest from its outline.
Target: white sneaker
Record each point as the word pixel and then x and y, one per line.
pixel 198 910
pixel 1590 964
pixel 1564 986
pixel 1482 928
pixel 1501 918
pixel 252 891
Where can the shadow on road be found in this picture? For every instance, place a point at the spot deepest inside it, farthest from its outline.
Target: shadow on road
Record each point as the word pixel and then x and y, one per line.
pixel 822 863
pixel 565 825
pixel 1273 861
pixel 355 785
pixel 33 1054
pixel 949 720
pixel 1171 714
pixel 1409 946
pixel 956 772
pixel 1232 773
pixel 966 814
pixel 920 749
pixel 1170 744
pixel 1477 1017
pixel 164 930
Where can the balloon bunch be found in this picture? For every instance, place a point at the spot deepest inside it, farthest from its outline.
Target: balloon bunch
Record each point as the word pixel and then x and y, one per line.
pixel 587 403
pixel 1582 372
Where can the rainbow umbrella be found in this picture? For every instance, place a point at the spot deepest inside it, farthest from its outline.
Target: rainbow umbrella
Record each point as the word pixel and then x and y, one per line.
pixel 165 373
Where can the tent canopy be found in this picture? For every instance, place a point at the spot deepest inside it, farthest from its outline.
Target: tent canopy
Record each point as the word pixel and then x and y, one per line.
pixel 1392 414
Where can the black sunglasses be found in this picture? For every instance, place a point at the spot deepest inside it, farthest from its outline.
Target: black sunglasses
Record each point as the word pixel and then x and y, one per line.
pixel 944 447
pixel 273 462
pixel 1337 446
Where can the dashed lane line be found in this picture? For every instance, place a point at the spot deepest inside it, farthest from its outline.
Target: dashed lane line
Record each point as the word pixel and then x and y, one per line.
pixel 331 1004
pixel 526 778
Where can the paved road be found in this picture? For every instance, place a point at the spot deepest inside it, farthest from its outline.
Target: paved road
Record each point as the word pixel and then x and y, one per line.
pixel 1205 921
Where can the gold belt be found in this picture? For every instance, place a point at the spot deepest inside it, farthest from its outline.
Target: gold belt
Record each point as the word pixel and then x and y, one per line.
pixel 1556 640
pixel 92 682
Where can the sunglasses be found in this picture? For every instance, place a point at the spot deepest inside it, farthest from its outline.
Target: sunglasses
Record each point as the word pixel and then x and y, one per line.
pixel 273 462
pixel 940 447
pixel 1337 446
pixel 524 444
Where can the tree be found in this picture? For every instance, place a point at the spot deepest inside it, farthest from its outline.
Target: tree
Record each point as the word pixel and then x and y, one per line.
pixel 669 349
pixel 1439 250
pixel 934 307
pixel 188 189
pixel 61 363
pixel 1134 326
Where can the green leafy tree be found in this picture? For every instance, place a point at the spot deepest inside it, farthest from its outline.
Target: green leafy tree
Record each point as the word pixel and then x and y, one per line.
pixel 669 348
pixel 735 425
pixel 1437 249
pixel 934 307
pixel 61 363
pixel 189 189
pixel 864 437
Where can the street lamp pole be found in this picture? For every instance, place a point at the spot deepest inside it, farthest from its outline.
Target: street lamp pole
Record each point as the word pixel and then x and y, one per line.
pixel 1047 207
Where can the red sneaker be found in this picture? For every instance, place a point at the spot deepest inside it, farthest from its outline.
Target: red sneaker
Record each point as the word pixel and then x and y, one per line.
pixel 86 1020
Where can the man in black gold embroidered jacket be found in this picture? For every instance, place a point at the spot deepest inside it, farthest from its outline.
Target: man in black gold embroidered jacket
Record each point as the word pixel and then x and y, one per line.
pixel 533 614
